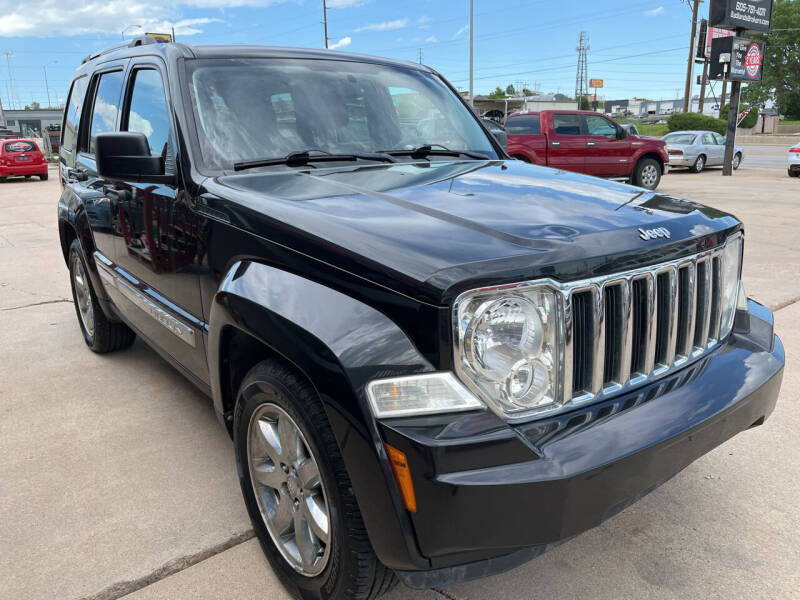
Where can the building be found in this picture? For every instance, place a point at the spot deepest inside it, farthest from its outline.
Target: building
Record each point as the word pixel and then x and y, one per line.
pixel 32 123
pixel 484 104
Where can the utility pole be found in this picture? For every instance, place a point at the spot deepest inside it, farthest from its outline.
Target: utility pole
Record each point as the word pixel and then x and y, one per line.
pixel 325 20
pixel 420 56
pixel 703 86
pixel 733 117
pixel 47 87
pixel 12 91
pixel 471 51
pixel 722 99
pixel 690 66
pixel 582 75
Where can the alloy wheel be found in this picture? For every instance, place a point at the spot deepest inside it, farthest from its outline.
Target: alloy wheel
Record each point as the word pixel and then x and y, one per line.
pixel 649 176
pixel 289 490
pixel 83 295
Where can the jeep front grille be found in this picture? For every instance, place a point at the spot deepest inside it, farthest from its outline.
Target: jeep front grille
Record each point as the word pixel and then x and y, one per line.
pixel 624 329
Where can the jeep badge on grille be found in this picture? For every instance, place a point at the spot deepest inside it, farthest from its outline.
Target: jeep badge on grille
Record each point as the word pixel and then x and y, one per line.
pixel 651 234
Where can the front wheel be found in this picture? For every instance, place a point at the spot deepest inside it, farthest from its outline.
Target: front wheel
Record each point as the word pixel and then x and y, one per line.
pixel 297 491
pixel 794 173
pixel 647 173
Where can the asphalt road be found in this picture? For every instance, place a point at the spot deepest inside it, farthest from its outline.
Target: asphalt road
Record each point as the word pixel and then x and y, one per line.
pixel 117 481
pixel 768 157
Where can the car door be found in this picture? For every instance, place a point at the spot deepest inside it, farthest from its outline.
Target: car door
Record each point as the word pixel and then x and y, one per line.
pixel 101 115
pixel 157 238
pixel 606 153
pixel 711 150
pixel 567 143
pixel 719 144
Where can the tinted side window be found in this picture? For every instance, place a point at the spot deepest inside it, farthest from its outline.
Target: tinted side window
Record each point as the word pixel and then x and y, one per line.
pixel 600 126
pixel 72 114
pixel 719 139
pixel 106 106
pixel 524 125
pixel 709 140
pixel 148 110
pixel 567 124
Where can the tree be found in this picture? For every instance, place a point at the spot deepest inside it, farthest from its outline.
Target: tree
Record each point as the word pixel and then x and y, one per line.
pixel 781 80
pixel 510 91
pixel 585 103
pixel 33 106
pixel 527 92
pixel 497 94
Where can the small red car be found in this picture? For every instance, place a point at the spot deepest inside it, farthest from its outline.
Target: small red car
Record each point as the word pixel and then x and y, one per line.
pixel 21 158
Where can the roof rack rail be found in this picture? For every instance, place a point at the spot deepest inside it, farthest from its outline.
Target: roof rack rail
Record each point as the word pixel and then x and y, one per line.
pixel 142 40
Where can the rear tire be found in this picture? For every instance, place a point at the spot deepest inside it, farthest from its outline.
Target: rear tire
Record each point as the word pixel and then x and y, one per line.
pixel 737 160
pixel 794 173
pixel 647 173
pixel 100 334
pixel 27 176
pixel 43 177
pixel 699 164
pixel 275 402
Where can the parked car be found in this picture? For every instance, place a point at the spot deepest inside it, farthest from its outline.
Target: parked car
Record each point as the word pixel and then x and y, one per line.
pixel 794 160
pixel 8 134
pixel 697 150
pixel 21 158
pixel 630 128
pixel 586 142
pixel 435 362
pixel 497 131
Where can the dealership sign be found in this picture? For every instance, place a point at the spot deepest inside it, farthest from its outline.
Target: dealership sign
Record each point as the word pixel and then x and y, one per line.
pixel 595 83
pixel 708 35
pixel 744 59
pixel 755 15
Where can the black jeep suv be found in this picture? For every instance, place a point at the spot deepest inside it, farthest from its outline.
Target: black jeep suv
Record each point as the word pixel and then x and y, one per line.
pixel 435 362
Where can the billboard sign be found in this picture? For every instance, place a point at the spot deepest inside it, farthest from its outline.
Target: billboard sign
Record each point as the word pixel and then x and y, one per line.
pixel 161 37
pixel 708 35
pixel 755 15
pixel 595 83
pixel 745 59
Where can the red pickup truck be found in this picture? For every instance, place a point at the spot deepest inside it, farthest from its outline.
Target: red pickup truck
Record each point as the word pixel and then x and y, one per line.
pixel 586 142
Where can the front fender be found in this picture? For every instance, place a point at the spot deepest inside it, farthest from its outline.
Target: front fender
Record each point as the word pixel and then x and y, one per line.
pixel 340 344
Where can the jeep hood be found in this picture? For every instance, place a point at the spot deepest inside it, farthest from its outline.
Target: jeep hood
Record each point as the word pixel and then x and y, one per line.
pixel 431 230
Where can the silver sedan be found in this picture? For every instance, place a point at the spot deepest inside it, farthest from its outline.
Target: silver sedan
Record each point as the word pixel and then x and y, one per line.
pixel 697 150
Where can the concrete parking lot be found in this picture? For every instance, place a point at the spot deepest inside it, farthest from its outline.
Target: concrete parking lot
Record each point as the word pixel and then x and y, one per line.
pixel 116 479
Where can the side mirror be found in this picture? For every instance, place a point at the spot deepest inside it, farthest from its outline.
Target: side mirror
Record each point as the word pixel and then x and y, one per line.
pixel 621 133
pixel 125 156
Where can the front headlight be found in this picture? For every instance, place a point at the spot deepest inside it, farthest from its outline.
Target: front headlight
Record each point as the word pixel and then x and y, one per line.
pixel 731 268
pixel 507 347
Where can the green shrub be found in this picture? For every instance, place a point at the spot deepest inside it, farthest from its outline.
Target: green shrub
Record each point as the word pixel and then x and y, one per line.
pixel 748 122
pixel 684 121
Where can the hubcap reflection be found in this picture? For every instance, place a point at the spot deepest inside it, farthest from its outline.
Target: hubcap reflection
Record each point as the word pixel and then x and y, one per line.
pixel 289 490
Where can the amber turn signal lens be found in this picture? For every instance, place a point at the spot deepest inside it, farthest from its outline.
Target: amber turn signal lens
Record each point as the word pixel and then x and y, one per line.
pixel 403 476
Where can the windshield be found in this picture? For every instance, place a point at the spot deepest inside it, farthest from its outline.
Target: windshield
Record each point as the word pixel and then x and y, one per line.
pixel 679 138
pixel 268 108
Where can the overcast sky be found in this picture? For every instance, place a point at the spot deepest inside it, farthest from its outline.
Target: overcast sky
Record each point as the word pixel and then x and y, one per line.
pixel 638 48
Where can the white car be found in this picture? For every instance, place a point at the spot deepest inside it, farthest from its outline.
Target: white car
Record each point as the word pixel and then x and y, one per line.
pixel 794 160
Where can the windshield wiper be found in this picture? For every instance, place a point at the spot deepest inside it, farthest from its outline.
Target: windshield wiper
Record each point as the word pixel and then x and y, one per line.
pixel 304 157
pixel 428 150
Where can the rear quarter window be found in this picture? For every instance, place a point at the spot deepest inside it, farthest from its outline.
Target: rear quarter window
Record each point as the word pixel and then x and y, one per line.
pixel 20 147
pixel 524 125
pixel 72 114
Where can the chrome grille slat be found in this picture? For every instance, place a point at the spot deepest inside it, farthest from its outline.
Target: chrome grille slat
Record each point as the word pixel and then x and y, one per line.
pixel 661 316
pixel 598 352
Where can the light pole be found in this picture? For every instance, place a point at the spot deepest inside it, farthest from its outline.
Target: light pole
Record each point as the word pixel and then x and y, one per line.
pixel 128 27
pixel 471 41
pixel 47 87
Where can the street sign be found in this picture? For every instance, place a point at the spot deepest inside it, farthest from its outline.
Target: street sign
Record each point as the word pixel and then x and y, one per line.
pixel 595 83
pixel 755 15
pixel 745 59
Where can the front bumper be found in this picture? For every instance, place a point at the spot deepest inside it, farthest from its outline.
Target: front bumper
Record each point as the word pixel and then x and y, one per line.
pixel 491 496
